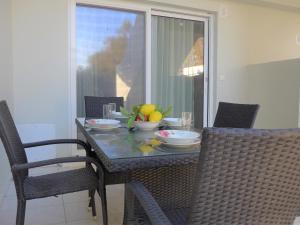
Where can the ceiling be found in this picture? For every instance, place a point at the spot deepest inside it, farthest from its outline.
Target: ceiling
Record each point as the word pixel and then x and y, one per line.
pixel 293 5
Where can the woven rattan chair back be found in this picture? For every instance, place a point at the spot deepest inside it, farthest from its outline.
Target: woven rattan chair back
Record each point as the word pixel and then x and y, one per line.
pixel 94 105
pixel 11 141
pixel 248 177
pixel 236 115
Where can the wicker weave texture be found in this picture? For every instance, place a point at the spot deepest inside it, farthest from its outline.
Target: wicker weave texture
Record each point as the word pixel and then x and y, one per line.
pixel 10 138
pixel 247 177
pixel 94 105
pixel 235 115
pixel 28 188
pixel 171 187
pixel 55 184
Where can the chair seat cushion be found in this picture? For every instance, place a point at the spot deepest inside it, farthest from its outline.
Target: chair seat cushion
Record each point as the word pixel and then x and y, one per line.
pixel 60 183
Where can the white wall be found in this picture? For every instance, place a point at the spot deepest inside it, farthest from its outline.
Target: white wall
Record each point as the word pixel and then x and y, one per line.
pixel 40 49
pixel 272 73
pixel 275 86
pixel 5 80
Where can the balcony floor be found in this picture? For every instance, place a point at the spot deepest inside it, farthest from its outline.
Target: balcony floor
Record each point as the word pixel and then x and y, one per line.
pixel 69 209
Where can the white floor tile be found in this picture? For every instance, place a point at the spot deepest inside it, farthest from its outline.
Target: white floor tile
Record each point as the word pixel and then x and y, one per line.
pixel 43 170
pixel 297 221
pixel 86 222
pixel 11 203
pixel 76 197
pixel 8 217
pixel 45 215
pixel 11 191
pixel 78 211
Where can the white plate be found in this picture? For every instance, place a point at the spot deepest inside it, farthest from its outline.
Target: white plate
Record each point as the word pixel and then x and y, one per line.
pixel 118 115
pixel 102 124
pixel 197 142
pixel 173 122
pixel 177 137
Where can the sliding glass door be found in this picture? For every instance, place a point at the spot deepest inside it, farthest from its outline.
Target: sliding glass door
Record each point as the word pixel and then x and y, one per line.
pixel 110 54
pixel 112 48
pixel 177 48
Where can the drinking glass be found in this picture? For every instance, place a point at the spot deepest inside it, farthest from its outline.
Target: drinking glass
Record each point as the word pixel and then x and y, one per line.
pixel 186 119
pixel 113 107
pixel 107 111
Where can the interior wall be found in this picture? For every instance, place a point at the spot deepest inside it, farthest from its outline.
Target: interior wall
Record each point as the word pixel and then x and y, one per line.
pixel 5 80
pixel 272 73
pixel 40 49
pixel 275 86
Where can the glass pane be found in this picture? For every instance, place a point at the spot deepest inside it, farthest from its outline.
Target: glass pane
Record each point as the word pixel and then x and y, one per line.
pixel 177 65
pixel 110 54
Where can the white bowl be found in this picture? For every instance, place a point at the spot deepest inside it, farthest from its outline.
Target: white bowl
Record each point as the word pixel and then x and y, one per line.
pixel 178 137
pixel 173 122
pixel 146 125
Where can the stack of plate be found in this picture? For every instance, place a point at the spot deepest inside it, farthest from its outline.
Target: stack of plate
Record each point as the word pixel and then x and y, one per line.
pixel 178 138
pixel 102 124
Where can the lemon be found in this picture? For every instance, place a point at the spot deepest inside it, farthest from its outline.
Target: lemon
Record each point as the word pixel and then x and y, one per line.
pixel 147 109
pixel 154 142
pixel 155 116
pixel 146 148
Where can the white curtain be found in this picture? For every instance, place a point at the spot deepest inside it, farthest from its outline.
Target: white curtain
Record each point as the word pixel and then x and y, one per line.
pixel 173 43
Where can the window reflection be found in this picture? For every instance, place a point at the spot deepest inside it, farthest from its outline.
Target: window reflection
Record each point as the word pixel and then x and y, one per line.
pixel 110 54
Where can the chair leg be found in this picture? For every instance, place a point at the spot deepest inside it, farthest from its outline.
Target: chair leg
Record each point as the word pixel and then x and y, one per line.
pixel 21 212
pixel 104 206
pixel 92 203
pixel 90 197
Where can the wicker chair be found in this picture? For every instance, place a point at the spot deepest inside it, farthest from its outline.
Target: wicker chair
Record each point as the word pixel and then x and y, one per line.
pixel 94 105
pixel 244 176
pixel 28 187
pixel 235 115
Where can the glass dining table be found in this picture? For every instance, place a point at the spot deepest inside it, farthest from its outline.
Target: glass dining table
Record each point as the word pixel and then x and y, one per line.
pixel 168 173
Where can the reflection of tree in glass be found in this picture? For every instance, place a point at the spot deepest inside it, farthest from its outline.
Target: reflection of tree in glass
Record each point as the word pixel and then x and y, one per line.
pixel 99 77
pixel 113 53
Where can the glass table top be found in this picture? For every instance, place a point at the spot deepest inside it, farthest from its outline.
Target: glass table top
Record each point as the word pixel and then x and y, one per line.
pixel 120 143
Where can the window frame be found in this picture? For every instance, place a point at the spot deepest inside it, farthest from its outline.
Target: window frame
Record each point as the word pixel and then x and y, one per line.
pixel 149 10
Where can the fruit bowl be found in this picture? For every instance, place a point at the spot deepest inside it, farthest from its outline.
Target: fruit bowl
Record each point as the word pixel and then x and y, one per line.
pixel 142 125
pixel 145 116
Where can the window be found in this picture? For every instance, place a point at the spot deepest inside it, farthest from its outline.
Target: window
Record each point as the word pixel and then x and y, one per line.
pixel 110 54
pixel 111 58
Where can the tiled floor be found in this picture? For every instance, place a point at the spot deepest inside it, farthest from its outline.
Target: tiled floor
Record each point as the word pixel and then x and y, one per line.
pixel 69 209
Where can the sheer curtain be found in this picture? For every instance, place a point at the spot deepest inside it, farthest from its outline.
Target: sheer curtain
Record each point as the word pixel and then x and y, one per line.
pixel 177 63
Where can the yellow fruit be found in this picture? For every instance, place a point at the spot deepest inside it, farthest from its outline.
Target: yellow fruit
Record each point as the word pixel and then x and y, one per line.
pixel 146 148
pixel 147 109
pixel 154 142
pixel 155 116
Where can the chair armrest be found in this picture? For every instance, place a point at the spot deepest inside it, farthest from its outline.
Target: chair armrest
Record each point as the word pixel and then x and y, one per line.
pixel 25 166
pixel 57 141
pixel 151 207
